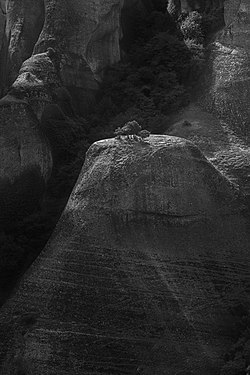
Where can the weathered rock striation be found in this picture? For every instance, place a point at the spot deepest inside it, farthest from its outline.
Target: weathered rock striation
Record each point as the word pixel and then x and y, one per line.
pixel 141 273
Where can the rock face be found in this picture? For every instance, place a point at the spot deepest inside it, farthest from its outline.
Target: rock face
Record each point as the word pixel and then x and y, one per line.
pixel 85 36
pixel 24 22
pixel 141 274
pixel 225 148
pixel 177 6
pixel 2 22
pixel 221 104
pixel 51 52
pixel 228 96
pixel 25 159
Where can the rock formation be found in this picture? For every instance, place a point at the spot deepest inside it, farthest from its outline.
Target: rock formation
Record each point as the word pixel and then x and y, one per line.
pixel 219 114
pixel 51 53
pixel 142 272
pixel 228 96
pixel 24 22
pixel 175 7
pixel 85 36
pixel 25 159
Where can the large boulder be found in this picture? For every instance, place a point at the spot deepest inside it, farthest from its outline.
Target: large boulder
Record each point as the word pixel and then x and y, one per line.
pixel 143 273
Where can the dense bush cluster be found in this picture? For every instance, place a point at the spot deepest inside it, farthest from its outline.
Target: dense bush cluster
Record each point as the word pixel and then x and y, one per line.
pixel 160 68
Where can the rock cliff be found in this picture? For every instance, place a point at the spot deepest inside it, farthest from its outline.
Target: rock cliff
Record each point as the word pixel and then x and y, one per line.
pixel 85 36
pixel 26 160
pixel 85 39
pixel 178 6
pixel 142 272
pixel 24 22
pixel 220 106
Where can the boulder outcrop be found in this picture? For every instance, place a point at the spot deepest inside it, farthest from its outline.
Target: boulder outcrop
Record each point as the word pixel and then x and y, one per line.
pixel 142 272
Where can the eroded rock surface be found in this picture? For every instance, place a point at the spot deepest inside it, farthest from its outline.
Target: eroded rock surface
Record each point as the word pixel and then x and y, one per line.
pixel 84 34
pixel 221 104
pixel 178 6
pixel 24 22
pixel 52 52
pixel 141 273
pixel 26 161
pixel 223 146
pixel 229 66
pixel 24 149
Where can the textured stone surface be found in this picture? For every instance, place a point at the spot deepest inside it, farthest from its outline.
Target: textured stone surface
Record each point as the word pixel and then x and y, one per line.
pixel 23 143
pixel 24 22
pixel 230 90
pixel 85 38
pixel 178 6
pixel 37 83
pixel 220 113
pixel 130 282
pixel 85 35
pixel 222 145
pixel 25 155
pixel 2 21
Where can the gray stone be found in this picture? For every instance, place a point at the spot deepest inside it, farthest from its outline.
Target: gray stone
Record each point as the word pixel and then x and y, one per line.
pixel 141 274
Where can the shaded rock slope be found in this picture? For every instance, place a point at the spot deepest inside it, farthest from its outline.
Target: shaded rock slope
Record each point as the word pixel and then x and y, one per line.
pixel 51 52
pixel 219 114
pixel 142 272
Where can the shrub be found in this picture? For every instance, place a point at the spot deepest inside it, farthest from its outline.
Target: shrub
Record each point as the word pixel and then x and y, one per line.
pixel 192 27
